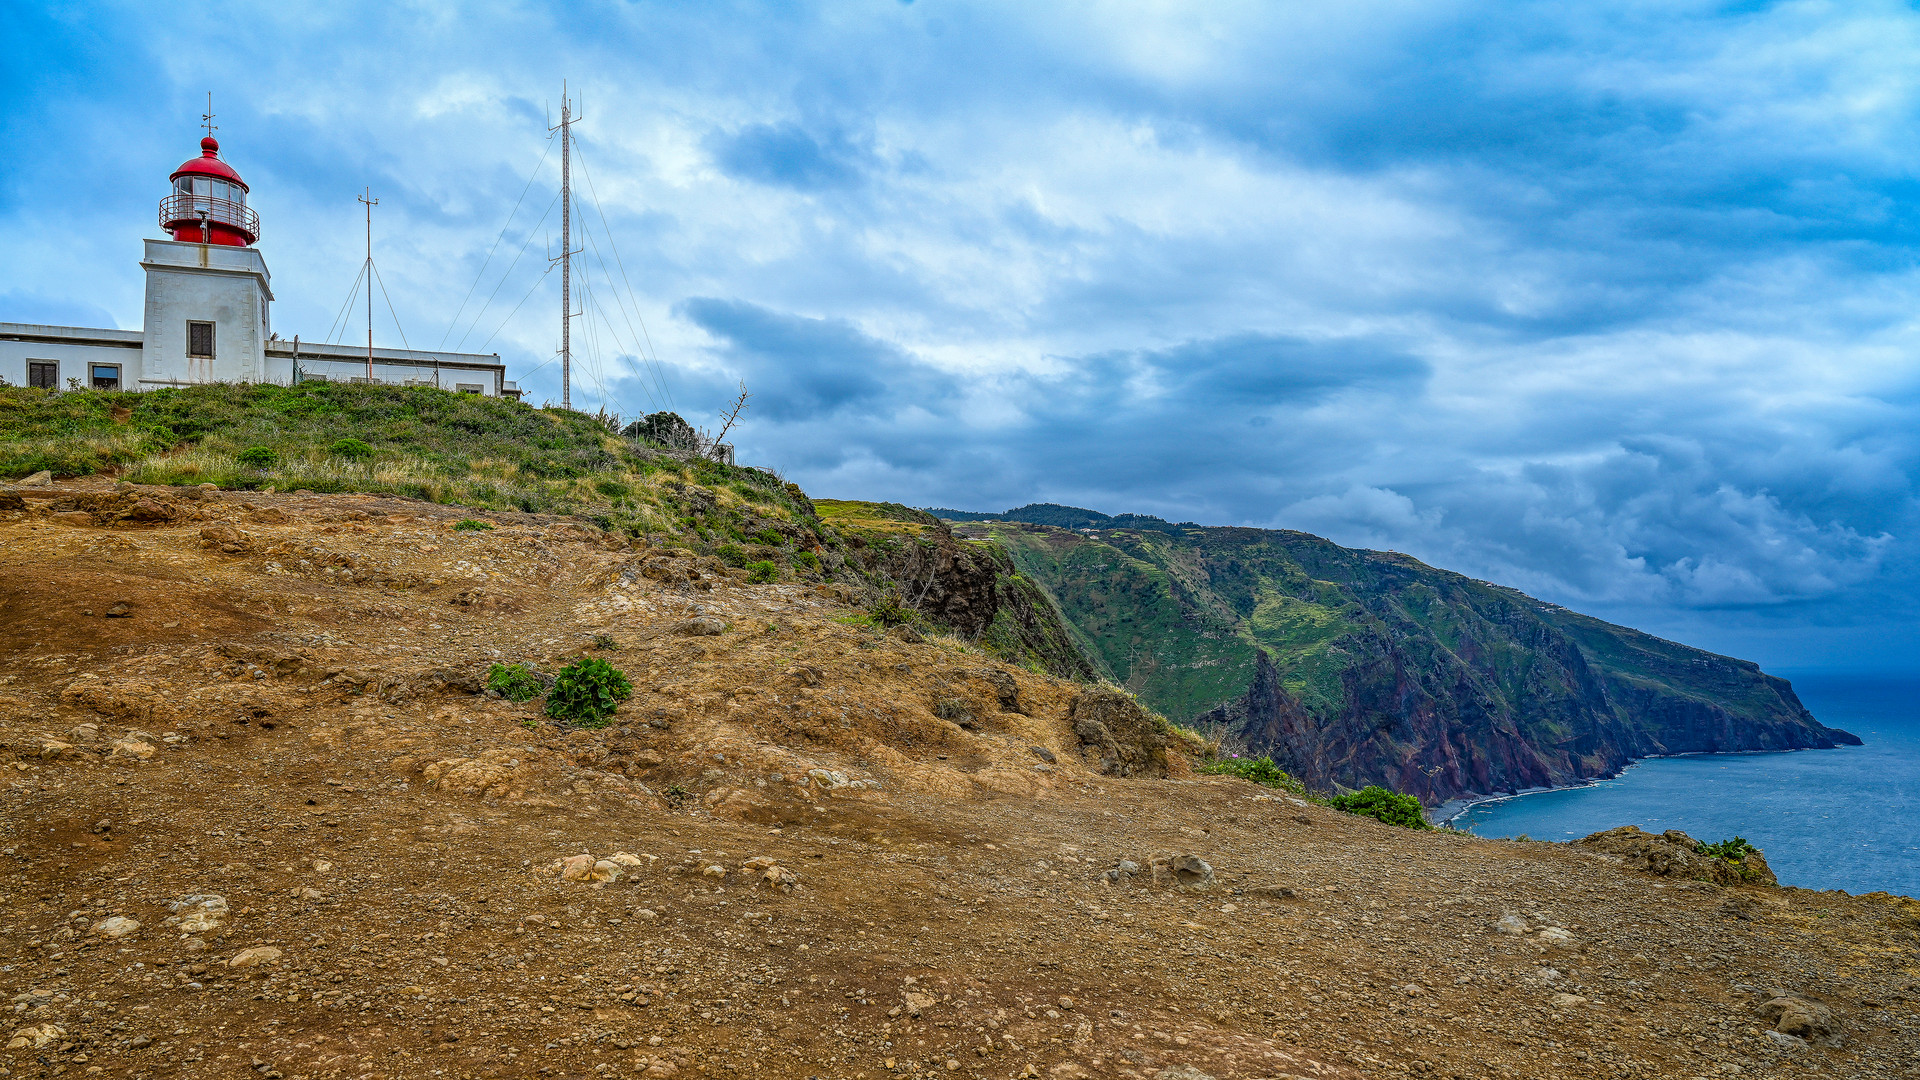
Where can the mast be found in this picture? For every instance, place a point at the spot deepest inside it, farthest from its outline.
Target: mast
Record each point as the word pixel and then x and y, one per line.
pixel 567 120
pixel 370 203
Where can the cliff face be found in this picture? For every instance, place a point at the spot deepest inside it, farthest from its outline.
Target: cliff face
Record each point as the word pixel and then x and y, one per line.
pixel 970 587
pixel 1355 667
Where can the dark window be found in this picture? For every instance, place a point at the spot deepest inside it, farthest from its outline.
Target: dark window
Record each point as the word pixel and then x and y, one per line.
pixel 44 374
pixel 106 376
pixel 470 388
pixel 200 339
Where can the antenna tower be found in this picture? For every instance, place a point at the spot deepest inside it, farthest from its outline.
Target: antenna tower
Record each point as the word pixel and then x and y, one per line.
pixel 567 119
pixel 370 203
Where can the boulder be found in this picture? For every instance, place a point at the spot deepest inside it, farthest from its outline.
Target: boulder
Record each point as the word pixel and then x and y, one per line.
pixel 1802 1018
pixel 1118 736
pixel 704 626
pixel 1675 854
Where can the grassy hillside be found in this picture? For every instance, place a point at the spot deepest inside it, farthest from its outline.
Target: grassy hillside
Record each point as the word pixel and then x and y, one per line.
pixel 498 455
pixel 488 453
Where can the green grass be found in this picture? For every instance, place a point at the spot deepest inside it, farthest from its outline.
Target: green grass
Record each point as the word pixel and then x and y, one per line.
pixel 421 442
pixel 1260 770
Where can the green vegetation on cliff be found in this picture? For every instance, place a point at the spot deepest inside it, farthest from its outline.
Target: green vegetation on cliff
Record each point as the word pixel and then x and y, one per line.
pixel 1364 667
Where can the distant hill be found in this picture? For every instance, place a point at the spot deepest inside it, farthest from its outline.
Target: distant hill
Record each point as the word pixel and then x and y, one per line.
pixel 1066 517
pixel 1354 667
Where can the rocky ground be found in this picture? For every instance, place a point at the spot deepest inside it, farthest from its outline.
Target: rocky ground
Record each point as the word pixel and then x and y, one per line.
pixel 256 820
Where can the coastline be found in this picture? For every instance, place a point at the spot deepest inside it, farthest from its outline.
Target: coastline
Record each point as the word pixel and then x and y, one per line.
pixel 1450 811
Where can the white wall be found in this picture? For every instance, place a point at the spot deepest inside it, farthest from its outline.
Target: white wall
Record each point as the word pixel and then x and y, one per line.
pixel 74 349
pixel 227 286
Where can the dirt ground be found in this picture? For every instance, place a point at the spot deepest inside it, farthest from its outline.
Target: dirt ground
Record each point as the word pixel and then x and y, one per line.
pixel 841 854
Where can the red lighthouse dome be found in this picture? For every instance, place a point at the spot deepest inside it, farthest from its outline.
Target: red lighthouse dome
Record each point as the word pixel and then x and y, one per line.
pixel 209 202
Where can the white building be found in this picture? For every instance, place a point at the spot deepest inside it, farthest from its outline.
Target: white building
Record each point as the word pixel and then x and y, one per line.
pixel 208 315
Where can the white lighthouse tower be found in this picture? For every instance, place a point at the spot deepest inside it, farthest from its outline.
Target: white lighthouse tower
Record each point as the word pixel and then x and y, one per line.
pixel 206 316
pixel 208 289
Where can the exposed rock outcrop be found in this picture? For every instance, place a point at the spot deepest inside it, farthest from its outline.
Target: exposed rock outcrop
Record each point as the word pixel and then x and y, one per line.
pixel 1675 854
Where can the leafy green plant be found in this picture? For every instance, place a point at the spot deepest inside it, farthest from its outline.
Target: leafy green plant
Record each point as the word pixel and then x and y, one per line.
pixel 890 610
pixel 806 560
pixel 351 449
pixel 731 554
pixel 762 573
pixel 770 537
pixel 1735 850
pixel 1261 770
pixel 470 525
pixel 515 682
pixel 257 457
pixel 587 692
pixel 605 643
pixel 1380 804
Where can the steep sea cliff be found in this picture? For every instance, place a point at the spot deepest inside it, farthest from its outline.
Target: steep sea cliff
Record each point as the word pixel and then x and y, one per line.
pixel 1355 667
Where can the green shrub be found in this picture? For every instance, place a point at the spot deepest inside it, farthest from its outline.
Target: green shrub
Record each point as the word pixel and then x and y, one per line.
pixel 515 682
pixel 769 537
pixel 890 610
pixel 1377 802
pixel 587 692
pixel 762 573
pixel 470 525
pixel 731 554
pixel 257 457
pixel 806 560
pixel 1735 850
pixel 351 449
pixel 1261 770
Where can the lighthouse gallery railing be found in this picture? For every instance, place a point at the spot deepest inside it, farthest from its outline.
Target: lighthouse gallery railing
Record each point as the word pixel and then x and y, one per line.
pixel 178 207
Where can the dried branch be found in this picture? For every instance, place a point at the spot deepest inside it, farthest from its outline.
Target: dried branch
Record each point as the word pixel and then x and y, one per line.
pixel 733 414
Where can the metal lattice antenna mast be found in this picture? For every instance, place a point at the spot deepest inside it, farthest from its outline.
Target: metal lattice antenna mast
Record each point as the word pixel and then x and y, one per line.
pixel 567 120
pixel 371 203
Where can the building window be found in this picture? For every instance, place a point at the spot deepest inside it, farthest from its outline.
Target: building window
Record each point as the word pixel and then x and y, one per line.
pixel 200 340
pixel 44 374
pixel 470 388
pixel 106 376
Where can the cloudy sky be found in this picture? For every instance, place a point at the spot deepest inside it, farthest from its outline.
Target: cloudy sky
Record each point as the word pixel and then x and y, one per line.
pixel 1614 303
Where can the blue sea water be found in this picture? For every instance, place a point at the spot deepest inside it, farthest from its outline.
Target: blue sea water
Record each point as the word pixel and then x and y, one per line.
pixel 1827 819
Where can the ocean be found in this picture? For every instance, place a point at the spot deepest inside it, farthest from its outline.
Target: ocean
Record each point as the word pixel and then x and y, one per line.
pixel 1827 819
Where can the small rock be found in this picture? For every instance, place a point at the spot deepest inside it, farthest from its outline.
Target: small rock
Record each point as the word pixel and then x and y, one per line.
pixel 1554 935
pixel 704 626
pixel 644 915
pixel 254 957
pixel 1191 872
pixel 577 868
pixel 321 866
pixel 1181 1072
pixel 608 870
pixel 713 870
pixel 117 926
pixel 198 913
pixel 1043 754
pixel 119 610
pixel 759 862
pixel 1567 1001
pixel 43 478
pixel 1510 924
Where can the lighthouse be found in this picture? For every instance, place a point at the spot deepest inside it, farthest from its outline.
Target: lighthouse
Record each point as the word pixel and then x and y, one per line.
pixel 207 313
pixel 208 289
